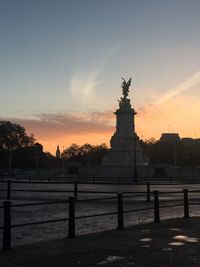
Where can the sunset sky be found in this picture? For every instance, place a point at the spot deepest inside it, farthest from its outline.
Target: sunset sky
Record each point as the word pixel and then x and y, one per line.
pixel 61 64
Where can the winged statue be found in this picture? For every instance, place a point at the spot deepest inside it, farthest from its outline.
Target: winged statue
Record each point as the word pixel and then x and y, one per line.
pixel 125 87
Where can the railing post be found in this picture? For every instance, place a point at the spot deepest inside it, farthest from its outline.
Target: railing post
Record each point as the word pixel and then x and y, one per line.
pixel 7 226
pixel 186 203
pixel 71 222
pixel 120 213
pixel 156 206
pixel 148 192
pixel 8 190
pixel 75 189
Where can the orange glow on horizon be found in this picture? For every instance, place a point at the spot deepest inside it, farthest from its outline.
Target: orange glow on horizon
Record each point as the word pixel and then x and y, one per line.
pixel 64 142
pixel 178 115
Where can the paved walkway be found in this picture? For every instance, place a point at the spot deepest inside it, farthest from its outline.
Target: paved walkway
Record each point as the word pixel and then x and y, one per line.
pixel 169 243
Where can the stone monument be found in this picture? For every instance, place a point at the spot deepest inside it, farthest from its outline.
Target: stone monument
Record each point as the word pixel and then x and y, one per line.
pixel 125 147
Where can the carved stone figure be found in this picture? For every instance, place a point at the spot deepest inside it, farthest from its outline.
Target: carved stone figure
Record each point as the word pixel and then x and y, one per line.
pixel 125 87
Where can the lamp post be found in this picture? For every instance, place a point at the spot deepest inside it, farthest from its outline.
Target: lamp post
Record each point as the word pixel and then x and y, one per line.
pixel 37 160
pixel 63 162
pixel 11 146
pixel 10 154
pixel 175 155
pixel 135 161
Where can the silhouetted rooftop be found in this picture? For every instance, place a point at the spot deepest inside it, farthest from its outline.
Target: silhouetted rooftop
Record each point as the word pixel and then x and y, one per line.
pixel 170 137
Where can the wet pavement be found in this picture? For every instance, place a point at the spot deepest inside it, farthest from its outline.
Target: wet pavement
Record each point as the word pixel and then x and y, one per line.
pixel 173 242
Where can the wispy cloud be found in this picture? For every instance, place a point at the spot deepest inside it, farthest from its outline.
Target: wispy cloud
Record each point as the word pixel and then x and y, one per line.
pixel 83 85
pixel 160 110
pixel 52 126
pixel 179 111
pixel 187 84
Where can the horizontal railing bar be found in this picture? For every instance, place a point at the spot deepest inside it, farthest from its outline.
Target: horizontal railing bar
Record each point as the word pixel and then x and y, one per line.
pixel 139 195
pixel 96 215
pixel 36 198
pixel 48 181
pixel 107 192
pixel 66 201
pixel 40 190
pixel 137 210
pixel 172 206
pixel 178 192
pixel 71 191
pixel 97 192
pixel 39 222
pixel 37 182
pixel 95 199
pixel 79 182
pixel 151 208
pixel 40 203
pixel 195 203
pixel 171 200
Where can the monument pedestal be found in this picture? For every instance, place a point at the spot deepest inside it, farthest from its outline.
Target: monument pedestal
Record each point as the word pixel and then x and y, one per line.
pixel 125 147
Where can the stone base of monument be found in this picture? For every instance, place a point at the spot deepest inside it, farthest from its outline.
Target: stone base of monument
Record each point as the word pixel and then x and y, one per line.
pixel 125 171
pixel 117 172
pixel 124 157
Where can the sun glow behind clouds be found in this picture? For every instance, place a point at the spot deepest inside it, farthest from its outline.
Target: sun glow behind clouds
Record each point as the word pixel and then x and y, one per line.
pixel 173 112
pixel 180 114
pixel 68 128
pixel 80 139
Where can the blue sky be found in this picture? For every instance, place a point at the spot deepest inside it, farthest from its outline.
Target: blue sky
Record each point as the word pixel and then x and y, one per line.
pixel 69 56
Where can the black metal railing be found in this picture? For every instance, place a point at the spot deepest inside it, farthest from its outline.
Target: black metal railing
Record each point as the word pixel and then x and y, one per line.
pixel 9 189
pixel 104 180
pixel 72 200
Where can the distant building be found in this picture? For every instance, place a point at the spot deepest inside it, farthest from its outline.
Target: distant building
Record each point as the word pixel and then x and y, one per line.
pixel 58 152
pixel 170 137
pixel 187 140
pixel 197 141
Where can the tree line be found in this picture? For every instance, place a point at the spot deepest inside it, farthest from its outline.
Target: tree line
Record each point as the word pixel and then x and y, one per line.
pixel 174 153
pixel 20 150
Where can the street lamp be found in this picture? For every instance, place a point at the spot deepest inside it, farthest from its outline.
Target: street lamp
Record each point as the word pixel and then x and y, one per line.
pixel 37 160
pixel 175 155
pixel 63 162
pixel 10 146
pixel 10 154
pixel 135 161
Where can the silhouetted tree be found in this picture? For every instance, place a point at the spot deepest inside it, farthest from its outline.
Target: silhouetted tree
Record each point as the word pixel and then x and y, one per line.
pixel 13 137
pixel 85 154
pixel 173 152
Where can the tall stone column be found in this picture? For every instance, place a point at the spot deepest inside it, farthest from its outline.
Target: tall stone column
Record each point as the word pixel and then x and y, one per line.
pixel 125 142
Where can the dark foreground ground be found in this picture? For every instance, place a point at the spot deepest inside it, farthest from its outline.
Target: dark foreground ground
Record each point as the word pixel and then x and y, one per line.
pixel 173 242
